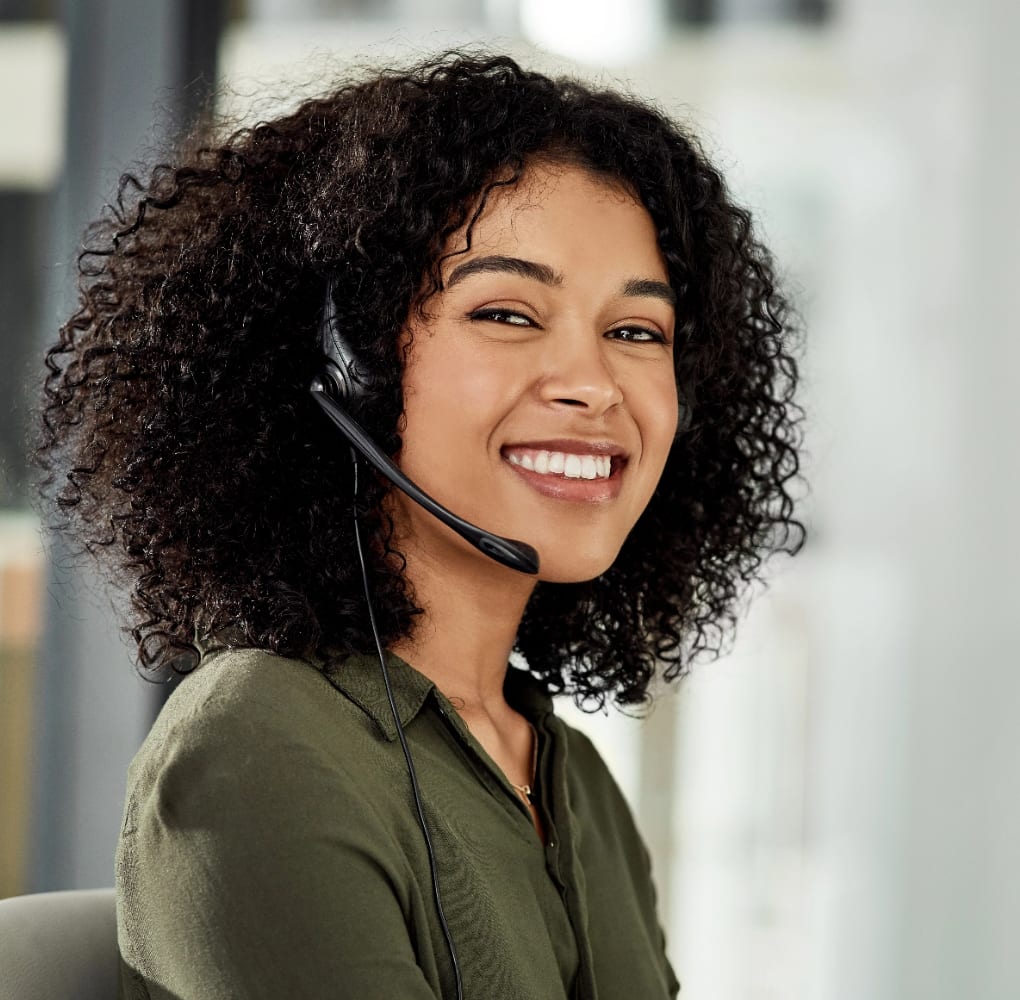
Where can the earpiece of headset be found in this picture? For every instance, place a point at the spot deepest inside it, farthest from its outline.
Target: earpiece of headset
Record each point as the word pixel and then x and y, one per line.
pixel 343 383
pixel 341 378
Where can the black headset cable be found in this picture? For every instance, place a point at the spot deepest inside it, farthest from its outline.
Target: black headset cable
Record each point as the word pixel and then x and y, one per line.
pixel 403 742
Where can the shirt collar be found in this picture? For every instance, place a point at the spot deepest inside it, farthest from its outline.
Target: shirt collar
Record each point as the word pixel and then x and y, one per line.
pixel 360 678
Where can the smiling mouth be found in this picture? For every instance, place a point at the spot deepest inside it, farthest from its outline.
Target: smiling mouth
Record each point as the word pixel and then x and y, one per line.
pixel 564 465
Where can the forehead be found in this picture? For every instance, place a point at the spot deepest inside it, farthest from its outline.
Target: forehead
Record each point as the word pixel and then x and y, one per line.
pixel 566 217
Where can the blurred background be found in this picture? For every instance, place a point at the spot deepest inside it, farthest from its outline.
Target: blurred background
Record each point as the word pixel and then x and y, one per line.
pixel 833 808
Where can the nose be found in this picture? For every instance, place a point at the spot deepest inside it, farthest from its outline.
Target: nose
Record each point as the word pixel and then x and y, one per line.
pixel 578 373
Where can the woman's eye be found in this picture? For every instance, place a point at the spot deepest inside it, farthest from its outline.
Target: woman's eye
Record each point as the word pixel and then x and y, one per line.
pixel 502 316
pixel 636 335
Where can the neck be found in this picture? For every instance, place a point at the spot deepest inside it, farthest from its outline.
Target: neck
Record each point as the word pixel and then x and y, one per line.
pixel 472 609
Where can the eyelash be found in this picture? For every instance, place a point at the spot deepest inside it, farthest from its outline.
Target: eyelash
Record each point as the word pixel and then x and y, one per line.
pixel 494 315
pixel 497 316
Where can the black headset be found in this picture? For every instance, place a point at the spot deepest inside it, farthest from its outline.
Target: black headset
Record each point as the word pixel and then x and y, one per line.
pixel 341 384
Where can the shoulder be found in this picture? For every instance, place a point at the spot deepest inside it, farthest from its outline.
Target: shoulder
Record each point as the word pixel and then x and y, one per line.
pixel 246 723
pixel 237 692
pixel 227 678
pixel 251 824
pixel 584 763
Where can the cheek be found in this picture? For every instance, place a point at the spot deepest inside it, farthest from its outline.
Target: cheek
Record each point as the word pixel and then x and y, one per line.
pixel 451 396
pixel 475 385
pixel 657 417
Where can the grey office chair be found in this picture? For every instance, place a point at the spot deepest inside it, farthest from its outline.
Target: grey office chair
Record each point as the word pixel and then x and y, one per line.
pixel 58 946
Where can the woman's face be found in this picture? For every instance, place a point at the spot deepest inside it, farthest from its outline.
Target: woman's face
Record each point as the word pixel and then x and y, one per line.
pixel 540 397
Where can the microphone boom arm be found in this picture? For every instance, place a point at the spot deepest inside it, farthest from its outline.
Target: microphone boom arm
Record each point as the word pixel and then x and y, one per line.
pixel 508 551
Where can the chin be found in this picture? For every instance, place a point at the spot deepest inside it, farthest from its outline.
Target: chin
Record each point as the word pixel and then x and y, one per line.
pixel 563 568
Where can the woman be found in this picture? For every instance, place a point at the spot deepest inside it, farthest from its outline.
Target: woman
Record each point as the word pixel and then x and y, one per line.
pixel 562 330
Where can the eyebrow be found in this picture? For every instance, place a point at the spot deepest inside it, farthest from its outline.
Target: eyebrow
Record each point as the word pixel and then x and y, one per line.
pixel 649 288
pixel 506 265
pixel 633 287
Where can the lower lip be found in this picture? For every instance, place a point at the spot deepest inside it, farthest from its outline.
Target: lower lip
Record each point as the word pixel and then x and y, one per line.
pixel 572 490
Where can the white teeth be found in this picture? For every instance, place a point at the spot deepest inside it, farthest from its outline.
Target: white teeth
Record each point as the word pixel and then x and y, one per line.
pixel 558 463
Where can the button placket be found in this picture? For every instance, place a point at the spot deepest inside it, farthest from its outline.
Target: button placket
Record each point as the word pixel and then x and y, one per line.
pixel 495 780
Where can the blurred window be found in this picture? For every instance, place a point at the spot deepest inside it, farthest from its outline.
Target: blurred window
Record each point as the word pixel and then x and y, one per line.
pixel 31 108
pixel 22 230
pixel 712 12
pixel 28 10
pixel 692 12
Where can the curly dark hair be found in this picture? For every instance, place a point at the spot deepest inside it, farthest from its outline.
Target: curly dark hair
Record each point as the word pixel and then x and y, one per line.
pixel 181 445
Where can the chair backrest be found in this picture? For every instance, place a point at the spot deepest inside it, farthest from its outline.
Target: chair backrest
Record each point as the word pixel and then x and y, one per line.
pixel 59 945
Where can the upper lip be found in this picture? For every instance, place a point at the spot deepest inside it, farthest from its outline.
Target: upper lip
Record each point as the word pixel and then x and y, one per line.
pixel 572 446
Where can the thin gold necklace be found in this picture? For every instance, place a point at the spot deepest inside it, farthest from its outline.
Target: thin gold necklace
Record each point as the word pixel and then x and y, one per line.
pixel 526 790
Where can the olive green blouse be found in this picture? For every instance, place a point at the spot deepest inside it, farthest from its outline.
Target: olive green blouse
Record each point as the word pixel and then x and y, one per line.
pixel 270 848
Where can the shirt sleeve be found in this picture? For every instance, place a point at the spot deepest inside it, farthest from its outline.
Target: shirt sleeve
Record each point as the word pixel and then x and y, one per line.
pixel 250 867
